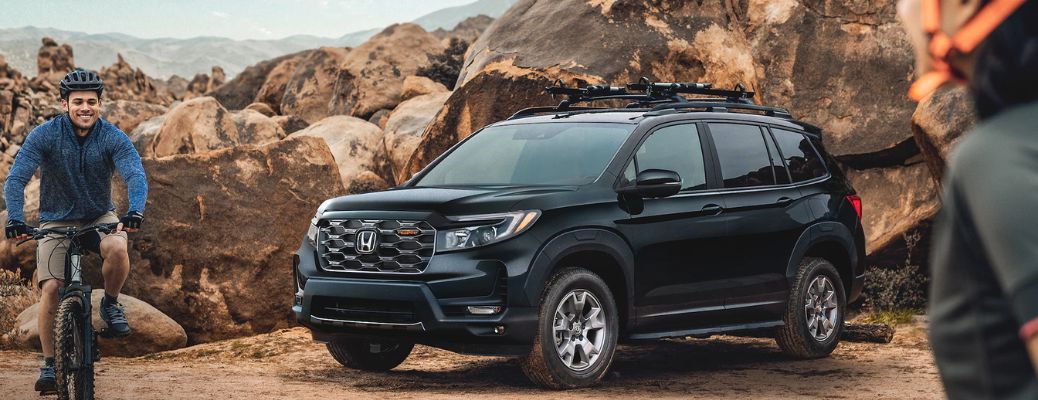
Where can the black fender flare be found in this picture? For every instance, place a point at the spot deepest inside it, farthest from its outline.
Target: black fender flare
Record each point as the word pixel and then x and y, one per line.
pixel 819 233
pixel 586 239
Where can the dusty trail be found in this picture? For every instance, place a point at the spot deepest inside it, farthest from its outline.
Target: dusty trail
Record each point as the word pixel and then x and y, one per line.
pixel 286 364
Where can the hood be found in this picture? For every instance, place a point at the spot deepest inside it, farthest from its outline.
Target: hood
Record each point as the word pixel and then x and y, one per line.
pixel 445 201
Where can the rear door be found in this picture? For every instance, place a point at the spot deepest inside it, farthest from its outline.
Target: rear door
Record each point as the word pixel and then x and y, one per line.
pixel 766 215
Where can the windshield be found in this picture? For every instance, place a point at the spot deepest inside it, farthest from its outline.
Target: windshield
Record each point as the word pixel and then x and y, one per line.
pixel 530 154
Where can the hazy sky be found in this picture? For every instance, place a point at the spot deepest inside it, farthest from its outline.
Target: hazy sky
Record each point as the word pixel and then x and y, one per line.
pixel 236 19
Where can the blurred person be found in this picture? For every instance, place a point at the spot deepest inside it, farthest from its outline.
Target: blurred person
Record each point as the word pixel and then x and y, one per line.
pixel 984 293
pixel 77 153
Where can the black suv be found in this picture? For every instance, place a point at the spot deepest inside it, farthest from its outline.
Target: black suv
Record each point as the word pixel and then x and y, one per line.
pixel 562 230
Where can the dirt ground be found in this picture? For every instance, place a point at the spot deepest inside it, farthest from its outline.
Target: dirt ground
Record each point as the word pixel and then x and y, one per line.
pixel 287 365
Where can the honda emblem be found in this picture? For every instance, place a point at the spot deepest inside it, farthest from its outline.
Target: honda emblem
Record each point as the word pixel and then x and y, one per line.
pixel 366 242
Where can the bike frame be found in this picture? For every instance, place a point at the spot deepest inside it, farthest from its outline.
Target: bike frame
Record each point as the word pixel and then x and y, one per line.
pixel 74 287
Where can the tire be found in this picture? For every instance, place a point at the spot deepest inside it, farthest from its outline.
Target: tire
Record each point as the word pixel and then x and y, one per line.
pixel 795 337
pixel 575 368
pixel 369 356
pixel 77 383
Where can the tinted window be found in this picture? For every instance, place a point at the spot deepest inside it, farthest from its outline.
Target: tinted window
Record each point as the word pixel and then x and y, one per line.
pixel 675 148
pixel 780 170
pixel 801 158
pixel 743 155
pixel 531 154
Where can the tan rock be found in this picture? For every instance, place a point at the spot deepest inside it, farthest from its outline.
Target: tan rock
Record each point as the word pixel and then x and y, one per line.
pixel 372 74
pixel 311 87
pixel 380 118
pixel 940 122
pixel 153 331
pixel 53 61
pixel 144 134
pixel 403 130
pixel 127 114
pixel 262 108
pixel 355 143
pixel 214 251
pixel 415 86
pixel 366 182
pixel 12 256
pixel 272 89
pixel 202 124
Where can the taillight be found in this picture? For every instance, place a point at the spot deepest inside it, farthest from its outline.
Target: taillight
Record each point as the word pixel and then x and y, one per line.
pixel 856 202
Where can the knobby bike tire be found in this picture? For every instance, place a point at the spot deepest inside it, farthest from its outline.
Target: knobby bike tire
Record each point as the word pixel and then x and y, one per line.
pixel 73 383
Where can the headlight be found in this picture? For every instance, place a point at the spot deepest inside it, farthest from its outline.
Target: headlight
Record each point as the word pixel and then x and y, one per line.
pixel 498 227
pixel 311 234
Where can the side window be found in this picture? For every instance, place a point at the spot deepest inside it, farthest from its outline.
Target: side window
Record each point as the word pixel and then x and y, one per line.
pixel 674 148
pixel 743 155
pixel 781 176
pixel 801 158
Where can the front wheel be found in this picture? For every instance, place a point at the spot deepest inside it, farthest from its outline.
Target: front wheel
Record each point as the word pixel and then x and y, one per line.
pixel 75 378
pixel 577 331
pixel 369 356
pixel 814 311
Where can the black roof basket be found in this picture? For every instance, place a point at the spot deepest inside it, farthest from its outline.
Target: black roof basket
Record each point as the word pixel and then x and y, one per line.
pixel 656 97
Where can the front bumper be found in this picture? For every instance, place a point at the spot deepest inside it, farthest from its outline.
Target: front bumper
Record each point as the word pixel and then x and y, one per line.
pixel 429 307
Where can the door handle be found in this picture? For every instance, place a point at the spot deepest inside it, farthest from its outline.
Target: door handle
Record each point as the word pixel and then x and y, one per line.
pixel 712 209
pixel 783 201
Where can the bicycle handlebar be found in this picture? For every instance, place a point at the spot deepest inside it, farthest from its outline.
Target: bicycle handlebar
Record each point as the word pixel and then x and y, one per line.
pixel 70 231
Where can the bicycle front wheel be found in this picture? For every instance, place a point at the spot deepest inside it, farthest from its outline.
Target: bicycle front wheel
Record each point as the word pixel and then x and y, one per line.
pixel 75 377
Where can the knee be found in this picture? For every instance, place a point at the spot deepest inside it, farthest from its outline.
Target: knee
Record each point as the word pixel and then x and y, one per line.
pixel 113 248
pixel 49 288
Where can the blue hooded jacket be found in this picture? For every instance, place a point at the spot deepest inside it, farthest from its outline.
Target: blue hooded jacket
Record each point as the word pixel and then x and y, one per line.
pixel 75 179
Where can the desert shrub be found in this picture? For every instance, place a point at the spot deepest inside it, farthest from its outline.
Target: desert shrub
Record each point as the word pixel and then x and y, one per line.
pixel 899 287
pixel 445 67
pixel 16 295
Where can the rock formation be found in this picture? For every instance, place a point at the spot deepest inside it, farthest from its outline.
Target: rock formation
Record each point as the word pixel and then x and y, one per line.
pixel 123 82
pixel 127 114
pixel 311 86
pixel 403 130
pixel 53 61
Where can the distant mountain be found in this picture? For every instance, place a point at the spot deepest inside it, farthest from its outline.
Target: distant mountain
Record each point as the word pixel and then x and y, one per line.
pixel 164 57
pixel 447 18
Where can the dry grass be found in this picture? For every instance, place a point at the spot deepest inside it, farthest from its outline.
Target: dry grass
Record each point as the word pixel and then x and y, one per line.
pixel 15 296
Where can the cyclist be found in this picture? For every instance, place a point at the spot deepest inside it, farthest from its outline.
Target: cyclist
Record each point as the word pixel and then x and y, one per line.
pixel 77 152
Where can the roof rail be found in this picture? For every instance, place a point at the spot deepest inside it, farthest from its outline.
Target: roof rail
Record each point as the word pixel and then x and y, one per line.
pixel 655 97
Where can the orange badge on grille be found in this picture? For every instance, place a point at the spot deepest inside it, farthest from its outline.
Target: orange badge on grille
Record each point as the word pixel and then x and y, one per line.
pixel 408 232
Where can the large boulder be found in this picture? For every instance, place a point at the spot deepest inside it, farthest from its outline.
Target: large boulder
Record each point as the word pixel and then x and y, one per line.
pixel 123 82
pixel 239 92
pixel 467 30
pixel 272 88
pixel 403 130
pixel 895 200
pixel 202 124
pixel 844 67
pixel 128 114
pixel 145 133
pixel 12 256
pixel 290 123
pixel 153 331
pixel 372 75
pixel 222 227
pixel 938 124
pixel 311 87
pixel 356 145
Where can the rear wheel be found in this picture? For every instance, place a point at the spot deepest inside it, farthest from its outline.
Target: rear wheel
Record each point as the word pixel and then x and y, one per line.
pixel 576 334
pixel 75 379
pixel 369 356
pixel 814 311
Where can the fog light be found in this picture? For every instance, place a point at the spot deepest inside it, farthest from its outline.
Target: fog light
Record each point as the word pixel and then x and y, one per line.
pixel 499 330
pixel 484 310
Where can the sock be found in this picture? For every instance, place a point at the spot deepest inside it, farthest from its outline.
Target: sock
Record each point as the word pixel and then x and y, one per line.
pixel 48 362
pixel 109 300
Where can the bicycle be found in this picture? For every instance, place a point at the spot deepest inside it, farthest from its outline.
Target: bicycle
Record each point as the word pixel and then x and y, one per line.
pixel 75 341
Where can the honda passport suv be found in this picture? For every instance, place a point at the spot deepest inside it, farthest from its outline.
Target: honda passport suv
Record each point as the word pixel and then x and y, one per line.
pixel 563 230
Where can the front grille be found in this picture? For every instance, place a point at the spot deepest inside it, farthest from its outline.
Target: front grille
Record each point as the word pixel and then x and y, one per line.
pixel 400 246
pixel 346 309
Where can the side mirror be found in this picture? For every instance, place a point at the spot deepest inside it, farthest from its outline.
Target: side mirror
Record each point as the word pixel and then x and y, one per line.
pixel 654 183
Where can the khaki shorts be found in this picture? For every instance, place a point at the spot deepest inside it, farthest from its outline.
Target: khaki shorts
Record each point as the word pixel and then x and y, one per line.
pixel 51 250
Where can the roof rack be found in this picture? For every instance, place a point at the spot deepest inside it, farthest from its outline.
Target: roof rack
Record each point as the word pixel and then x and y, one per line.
pixel 656 97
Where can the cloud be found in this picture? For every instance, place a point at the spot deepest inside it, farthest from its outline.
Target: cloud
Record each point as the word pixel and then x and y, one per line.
pixel 219 14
